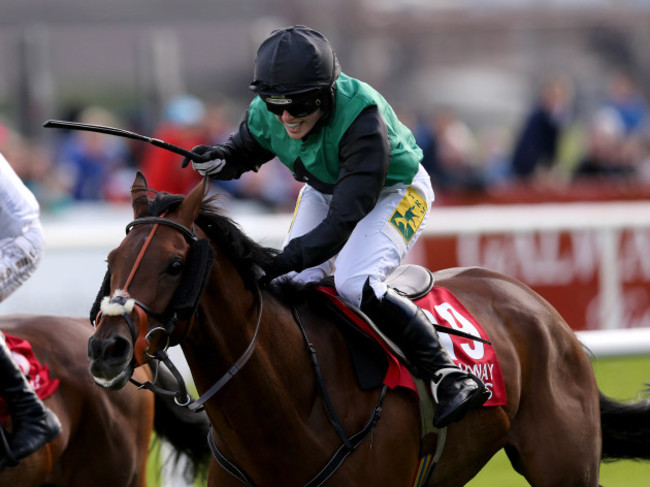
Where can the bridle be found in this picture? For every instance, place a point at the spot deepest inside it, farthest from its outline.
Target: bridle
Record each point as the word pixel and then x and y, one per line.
pixel 123 304
pixel 182 398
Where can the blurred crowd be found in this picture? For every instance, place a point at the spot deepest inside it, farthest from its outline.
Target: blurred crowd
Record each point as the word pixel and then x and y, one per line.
pixel 86 166
pixel 550 147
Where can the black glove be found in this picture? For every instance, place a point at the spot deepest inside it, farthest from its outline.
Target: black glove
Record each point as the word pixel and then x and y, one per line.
pixel 290 259
pixel 209 159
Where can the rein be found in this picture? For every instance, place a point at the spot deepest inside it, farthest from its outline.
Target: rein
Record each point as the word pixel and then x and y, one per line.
pixel 197 405
pixel 241 361
pixel 349 443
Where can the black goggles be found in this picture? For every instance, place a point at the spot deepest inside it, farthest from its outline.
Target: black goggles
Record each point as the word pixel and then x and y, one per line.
pixel 296 108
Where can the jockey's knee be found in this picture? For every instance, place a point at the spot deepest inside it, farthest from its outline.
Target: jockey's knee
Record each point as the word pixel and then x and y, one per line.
pixel 352 288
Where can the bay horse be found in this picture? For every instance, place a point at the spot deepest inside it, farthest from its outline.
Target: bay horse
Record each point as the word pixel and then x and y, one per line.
pixel 253 353
pixel 106 435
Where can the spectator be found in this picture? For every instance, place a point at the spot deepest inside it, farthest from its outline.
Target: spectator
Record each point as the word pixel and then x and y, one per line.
pixel 605 156
pixel 34 165
pixel 218 127
pixel 449 152
pixel 536 147
pixel 183 124
pixel 644 157
pixel 272 186
pixel 616 136
pixel 627 101
pixel 89 159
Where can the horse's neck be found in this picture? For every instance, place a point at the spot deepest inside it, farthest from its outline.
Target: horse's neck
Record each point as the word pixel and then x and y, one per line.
pixel 274 398
pixel 272 380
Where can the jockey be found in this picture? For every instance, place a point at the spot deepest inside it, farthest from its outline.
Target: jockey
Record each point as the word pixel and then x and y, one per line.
pixel 21 248
pixel 365 200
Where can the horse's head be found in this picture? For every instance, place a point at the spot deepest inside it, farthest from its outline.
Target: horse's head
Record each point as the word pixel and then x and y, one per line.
pixel 152 286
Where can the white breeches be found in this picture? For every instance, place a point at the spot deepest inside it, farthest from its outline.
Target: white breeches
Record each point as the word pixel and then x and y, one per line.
pixel 379 242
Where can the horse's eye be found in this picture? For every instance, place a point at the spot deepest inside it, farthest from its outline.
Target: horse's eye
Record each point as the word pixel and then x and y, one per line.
pixel 175 267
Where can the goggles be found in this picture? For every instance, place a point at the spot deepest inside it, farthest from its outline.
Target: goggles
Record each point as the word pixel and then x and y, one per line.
pixel 298 108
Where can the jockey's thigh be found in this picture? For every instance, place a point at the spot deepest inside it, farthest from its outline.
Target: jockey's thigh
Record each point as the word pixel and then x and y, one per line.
pixel 381 240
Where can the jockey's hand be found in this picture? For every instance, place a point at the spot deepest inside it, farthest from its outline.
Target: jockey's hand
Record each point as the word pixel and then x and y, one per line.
pixel 275 268
pixel 286 261
pixel 210 160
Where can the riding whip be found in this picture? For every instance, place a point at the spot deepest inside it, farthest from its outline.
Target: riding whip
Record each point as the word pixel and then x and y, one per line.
pixel 102 129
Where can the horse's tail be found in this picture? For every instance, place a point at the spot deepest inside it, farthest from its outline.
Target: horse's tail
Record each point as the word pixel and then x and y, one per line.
pixel 185 430
pixel 626 429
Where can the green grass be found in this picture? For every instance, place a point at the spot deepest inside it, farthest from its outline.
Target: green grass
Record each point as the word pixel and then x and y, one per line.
pixel 154 464
pixel 622 379
pixel 154 468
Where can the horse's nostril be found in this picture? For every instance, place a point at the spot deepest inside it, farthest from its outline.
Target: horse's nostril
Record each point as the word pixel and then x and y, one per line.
pixel 115 349
pixel 118 349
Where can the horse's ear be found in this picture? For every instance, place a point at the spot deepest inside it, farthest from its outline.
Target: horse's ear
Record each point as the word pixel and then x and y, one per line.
pixel 139 193
pixel 189 209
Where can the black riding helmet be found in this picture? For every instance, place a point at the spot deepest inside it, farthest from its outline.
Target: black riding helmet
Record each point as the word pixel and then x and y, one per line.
pixel 295 64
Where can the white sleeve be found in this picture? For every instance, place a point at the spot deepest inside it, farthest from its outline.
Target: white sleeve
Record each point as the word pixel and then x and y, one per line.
pixel 18 205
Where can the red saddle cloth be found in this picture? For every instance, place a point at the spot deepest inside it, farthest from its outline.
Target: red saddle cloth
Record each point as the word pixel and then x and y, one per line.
pixel 443 308
pixel 38 375
pixel 480 359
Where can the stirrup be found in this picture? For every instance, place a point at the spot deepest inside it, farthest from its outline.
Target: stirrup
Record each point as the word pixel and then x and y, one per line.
pixel 441 374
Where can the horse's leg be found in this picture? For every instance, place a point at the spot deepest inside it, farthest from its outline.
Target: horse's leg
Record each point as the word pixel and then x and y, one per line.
pixel 548 456
pixel 555 436
pixel 389 457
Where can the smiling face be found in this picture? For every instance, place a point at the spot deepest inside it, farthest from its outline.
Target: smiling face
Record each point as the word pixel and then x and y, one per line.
pixel 298 127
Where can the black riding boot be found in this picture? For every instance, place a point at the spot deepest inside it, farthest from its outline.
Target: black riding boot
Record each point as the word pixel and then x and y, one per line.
pixel 403 322
pixel 34 424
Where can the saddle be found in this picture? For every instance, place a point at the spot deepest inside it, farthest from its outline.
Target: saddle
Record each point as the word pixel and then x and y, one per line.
pixel 412 281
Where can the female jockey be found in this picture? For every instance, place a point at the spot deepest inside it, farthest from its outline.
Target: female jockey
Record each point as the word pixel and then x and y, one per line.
pixel 21 248
pixel 365 201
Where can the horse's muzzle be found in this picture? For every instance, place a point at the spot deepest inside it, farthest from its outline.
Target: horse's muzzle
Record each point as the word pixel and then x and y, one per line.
pixel 110 361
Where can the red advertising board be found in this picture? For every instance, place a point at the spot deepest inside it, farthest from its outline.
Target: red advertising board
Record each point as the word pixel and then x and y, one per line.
pixel 564 266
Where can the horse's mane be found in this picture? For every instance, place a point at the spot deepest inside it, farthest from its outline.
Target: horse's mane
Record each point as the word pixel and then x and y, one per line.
pixel 244 253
